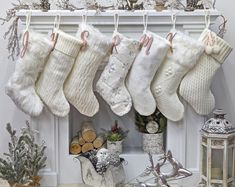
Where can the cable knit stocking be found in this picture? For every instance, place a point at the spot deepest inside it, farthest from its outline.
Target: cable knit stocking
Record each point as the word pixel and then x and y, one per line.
pixel 183 56
pixel 195 86
pixel 60 63
pixel 79 85
pixel 21 86
pixel 143 70
pixel 111 85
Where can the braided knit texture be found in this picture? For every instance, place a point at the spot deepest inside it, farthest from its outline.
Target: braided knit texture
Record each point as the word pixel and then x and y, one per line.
pixel 79 85
pixel 21 86
pixel 195 86
pixel 51 81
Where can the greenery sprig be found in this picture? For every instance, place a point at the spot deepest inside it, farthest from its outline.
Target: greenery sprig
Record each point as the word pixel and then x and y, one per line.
pixel 116 133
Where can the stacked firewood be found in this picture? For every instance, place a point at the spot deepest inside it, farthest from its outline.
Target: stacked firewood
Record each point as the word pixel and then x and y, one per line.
pixel 86 140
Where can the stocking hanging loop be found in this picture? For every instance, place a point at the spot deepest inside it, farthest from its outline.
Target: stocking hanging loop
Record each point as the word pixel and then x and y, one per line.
pixel 116 22
pixel 28 20
pixel 57 22
pixel 145 22
pixel 56 27
pixel 207 19
pixel 84 18
pixel 173 19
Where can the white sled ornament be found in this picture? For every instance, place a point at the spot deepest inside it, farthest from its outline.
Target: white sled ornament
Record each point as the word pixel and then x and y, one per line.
pixel 113 177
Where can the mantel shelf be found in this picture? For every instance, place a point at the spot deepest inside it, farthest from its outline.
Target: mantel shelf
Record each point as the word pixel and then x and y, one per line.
pixel 128 19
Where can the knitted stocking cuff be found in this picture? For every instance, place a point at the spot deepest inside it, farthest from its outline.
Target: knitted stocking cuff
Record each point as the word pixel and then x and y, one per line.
pixel 219 49
pixel 186 50
pixel 96 41
pixel 67 44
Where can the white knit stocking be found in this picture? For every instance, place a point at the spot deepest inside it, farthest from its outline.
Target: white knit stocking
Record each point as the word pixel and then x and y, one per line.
pixel 79 85
pixel 111 85
pixel 143 70
pixel 60 63
pixel 21 85
pixel 195 86
pixel 184 55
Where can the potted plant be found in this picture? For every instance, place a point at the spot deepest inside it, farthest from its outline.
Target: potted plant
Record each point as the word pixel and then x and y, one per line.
pixel 115 137
pixel 153 128
pixel 25 158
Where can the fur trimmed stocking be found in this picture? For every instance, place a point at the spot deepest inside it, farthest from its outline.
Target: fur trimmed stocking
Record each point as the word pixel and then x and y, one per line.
pixel 79 85
pixel 111 85
pixel 183 56
pixel 143 70
pixel 60 63
pixel 195 86
pixel 21 86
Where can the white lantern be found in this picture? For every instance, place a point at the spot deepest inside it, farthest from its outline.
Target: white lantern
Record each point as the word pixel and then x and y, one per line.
pixel 218 152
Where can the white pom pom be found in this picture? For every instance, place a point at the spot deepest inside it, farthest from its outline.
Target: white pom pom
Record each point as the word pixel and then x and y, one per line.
pixel 216 49
pixel 208 50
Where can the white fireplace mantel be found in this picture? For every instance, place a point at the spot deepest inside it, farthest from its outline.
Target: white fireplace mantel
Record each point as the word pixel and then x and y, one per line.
pixel 182 137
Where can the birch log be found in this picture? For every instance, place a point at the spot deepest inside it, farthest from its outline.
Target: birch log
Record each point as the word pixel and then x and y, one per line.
pixel 88 132
pixel 99 141
pixel 81 141
pixel 87 147
pixel 75 147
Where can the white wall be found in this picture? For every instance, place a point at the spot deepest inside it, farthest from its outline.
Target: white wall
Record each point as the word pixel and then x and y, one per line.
pixel 8 111
pixel 223 84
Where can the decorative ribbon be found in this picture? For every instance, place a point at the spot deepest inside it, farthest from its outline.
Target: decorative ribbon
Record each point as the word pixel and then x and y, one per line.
pixel 170 37
pixel 25 43
pixel 116 41
pixel 84 36
pixel 54 37
pixel 146 41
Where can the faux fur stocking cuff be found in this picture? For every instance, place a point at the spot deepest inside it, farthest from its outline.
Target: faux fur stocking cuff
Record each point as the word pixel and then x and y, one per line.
pixel 186 50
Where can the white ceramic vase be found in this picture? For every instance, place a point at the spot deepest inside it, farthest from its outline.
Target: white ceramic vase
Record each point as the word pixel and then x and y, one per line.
pixel 115 147
pixel 153 143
